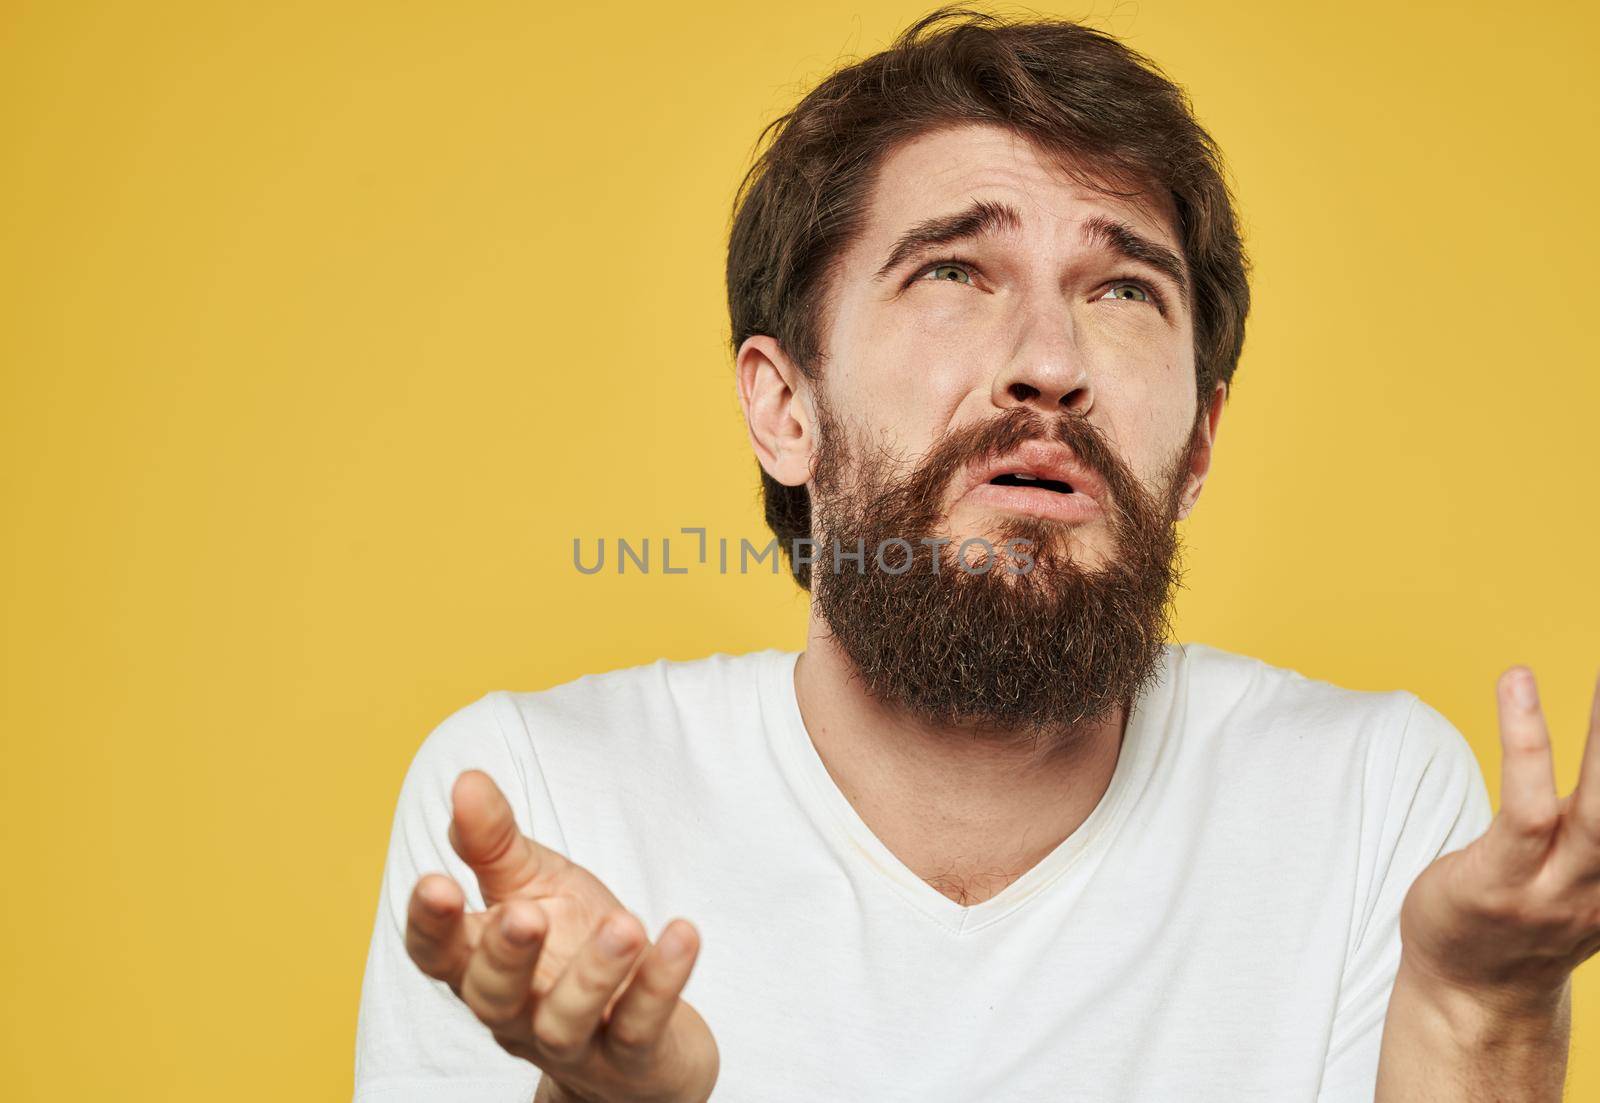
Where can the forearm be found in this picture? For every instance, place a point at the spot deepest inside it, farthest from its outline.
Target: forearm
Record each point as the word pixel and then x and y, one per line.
pixel 1444 1047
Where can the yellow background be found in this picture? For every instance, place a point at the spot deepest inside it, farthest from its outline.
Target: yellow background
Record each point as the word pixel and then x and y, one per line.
pixel 325 327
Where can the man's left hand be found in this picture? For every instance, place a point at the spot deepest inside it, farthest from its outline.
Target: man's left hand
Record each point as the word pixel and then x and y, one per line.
pixel 1503 922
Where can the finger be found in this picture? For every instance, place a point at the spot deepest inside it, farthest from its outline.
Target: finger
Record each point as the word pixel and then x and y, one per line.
pixel 498 981
pixel 640 1017
pixel 436 931
pixel 1585 799
pixel 1521 832
pixel 564 1022
pixel 484 832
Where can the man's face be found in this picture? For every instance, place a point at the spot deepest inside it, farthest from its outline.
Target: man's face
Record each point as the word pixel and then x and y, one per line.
pixel 1044 314
pixel 1010 356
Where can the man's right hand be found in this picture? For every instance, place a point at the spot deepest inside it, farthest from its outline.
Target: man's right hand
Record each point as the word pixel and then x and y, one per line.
pixel 559 971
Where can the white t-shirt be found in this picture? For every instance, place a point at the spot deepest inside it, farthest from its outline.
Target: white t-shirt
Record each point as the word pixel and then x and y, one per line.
pixel 1223 926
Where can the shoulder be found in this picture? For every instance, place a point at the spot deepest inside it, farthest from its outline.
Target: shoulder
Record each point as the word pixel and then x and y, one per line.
pixel 1394 737
pixel 645 701
pixel 1257 696
pixel 646 730
pixel 615 756
pixel 471 737
pixel 638 700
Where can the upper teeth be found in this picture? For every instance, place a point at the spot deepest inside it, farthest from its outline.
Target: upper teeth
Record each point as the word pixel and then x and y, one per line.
pixel 1020 475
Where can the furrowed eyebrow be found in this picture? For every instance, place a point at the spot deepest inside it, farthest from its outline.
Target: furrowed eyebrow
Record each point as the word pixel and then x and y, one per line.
pixel 983 217
pixel 990 217
pixel 1129 244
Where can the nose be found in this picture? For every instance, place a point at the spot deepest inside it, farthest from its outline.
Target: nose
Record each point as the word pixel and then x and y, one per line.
pixel 1046 371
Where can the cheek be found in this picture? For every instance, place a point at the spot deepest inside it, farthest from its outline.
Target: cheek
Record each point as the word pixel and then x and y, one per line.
pixel 1147 404
pixel 903 378
pixel 1137 350
pixel 1132 331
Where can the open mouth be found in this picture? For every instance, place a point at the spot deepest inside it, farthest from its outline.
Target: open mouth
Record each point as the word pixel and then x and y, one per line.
pixel 1030 481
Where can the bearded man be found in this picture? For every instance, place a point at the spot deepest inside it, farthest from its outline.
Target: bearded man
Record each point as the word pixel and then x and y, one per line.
pixel 991 836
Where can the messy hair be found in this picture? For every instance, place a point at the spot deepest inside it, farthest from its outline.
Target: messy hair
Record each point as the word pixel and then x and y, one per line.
pixel 1107 113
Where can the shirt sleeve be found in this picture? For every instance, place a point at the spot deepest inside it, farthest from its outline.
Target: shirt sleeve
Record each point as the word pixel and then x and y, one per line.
pixel 414 1039
pixel 1433 801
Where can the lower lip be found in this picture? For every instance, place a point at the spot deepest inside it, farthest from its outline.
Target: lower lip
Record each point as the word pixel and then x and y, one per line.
pixel 1074 507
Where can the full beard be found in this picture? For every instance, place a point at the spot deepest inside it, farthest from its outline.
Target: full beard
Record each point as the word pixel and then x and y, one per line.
pixel 1016 654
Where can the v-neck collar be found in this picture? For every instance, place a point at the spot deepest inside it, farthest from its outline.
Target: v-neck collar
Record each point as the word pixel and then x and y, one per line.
pixel 855 842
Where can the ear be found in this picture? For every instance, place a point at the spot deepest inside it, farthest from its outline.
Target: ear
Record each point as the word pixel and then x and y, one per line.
pixel 1206 429
pixel 771 390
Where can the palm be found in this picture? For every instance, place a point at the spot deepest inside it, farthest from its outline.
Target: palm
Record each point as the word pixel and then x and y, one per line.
pixel 542 997
pixel 574 900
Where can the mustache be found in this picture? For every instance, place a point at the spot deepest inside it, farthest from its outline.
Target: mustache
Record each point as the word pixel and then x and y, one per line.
pixel 997 436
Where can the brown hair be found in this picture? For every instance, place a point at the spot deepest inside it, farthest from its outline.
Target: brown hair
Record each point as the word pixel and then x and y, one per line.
pixel 1105 110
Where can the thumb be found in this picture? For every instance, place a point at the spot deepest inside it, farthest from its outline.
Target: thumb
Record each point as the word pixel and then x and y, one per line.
pixel 1520 835
pixel 484 832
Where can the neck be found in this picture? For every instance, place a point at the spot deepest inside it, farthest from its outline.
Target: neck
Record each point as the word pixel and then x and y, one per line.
pixel 968 809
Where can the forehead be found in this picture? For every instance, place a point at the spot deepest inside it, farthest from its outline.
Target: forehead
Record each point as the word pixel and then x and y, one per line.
pixel 944 169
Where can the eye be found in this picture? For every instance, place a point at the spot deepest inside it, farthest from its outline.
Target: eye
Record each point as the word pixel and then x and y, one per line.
pixel 1135 292
pixel 946 271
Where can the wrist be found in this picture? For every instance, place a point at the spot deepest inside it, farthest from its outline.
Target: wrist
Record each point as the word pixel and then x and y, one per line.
pixel 1487 1014
pixel 551 1092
